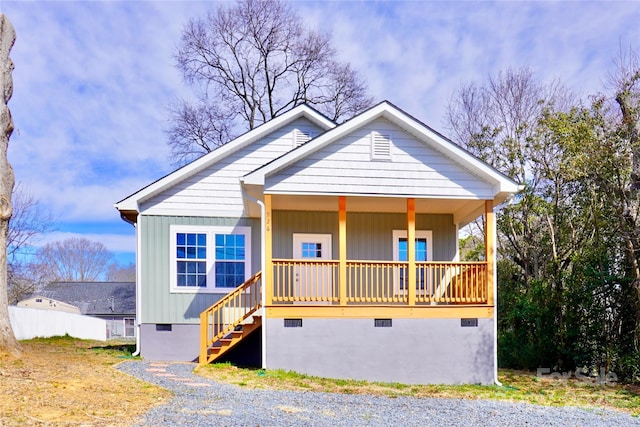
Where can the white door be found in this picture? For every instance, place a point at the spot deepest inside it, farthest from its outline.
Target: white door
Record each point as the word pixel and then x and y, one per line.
pixel 313 282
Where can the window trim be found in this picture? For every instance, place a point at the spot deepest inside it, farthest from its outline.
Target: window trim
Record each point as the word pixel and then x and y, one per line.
pixel 210 231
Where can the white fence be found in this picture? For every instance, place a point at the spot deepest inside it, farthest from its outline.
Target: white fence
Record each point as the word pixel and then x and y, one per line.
pixel 30 323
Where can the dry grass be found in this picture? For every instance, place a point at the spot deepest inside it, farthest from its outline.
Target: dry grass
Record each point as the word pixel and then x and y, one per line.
pixel 516 386
pixel 64 381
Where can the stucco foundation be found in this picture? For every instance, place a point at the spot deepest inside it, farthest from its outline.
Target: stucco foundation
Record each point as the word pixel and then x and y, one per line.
pixel 411 351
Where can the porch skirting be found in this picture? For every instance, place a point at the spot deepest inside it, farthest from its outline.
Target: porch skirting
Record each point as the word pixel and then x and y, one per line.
pixel 409 351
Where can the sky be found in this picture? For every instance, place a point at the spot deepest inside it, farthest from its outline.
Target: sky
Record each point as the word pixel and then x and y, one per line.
pixel 93 80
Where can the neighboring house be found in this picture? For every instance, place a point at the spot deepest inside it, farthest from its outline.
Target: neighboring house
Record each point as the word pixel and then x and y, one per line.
pixel 43 303
pixel 115 302
pixel 338 243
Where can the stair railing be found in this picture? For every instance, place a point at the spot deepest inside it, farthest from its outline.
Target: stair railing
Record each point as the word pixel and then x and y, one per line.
pixel 222 317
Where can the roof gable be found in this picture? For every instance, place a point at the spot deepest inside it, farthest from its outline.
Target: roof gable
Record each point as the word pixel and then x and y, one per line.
pixel 501 185
pixel 132 202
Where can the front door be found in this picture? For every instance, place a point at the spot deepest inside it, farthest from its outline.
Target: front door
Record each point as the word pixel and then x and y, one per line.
pixel 313 281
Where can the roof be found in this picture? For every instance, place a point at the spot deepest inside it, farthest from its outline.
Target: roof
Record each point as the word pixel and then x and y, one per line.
pixel 95 298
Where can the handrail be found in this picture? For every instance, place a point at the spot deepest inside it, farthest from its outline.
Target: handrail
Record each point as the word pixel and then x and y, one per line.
pixel 227 313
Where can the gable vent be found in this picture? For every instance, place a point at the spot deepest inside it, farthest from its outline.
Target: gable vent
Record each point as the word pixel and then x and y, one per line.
pixel 380 146
pixel 300 137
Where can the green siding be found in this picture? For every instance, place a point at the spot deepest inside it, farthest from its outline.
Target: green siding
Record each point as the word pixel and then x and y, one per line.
pixel 369 235
pixel 158 304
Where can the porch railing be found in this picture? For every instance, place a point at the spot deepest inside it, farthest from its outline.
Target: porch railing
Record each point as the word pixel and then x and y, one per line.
pixel 379 282
pixel 222 317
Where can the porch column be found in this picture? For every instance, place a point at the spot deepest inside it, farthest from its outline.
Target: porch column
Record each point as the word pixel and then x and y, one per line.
pixel 411 251
pixel 342 249
pixel 267 275
pixel 490 248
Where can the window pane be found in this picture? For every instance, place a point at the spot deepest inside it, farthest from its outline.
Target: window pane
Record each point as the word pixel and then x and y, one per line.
pixel 191 246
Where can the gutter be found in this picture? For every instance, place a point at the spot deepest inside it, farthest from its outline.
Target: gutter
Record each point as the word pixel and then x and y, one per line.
pixel 263 263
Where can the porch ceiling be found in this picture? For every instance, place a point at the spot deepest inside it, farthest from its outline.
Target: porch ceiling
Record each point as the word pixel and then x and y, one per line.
pixel 463 210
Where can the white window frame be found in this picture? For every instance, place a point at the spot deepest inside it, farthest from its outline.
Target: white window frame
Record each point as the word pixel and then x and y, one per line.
pixel 420 234
pixel 211 232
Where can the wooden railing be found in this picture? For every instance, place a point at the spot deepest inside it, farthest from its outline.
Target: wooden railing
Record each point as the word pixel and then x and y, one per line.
pixel 379 282
pixel 222 317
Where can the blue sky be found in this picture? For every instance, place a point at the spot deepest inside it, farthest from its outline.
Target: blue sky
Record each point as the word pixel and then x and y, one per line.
pixel 93 80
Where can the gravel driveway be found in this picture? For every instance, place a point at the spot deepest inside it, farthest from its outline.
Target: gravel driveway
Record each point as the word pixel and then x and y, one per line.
pixel 202 402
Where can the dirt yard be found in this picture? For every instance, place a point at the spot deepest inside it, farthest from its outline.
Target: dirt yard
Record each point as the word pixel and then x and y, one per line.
pixel 63 381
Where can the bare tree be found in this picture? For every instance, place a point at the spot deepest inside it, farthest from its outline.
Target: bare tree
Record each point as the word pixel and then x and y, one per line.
pixel 8 340
pixel 74 259
pixel 121 273
pixel 254 60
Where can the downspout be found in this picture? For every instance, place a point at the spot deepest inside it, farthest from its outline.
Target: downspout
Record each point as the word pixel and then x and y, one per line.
pixel 263 263
pixel 138 293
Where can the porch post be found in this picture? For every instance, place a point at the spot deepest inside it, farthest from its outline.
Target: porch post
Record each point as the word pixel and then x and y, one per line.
pixel 490 248
pixel 267 275
pixel 411 251
pixel 342 249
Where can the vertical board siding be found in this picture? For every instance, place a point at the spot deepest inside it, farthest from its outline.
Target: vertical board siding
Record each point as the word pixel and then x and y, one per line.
pixel 286 223
pixel 159 305
pixel 414 168
pixel 216 190
pixel 369 235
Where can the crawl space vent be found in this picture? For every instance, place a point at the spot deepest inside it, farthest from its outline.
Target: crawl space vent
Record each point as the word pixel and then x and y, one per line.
pixel 382 323
pixel 293 323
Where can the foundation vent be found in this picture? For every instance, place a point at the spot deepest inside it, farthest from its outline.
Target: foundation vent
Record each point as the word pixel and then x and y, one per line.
pixel 469 323
pixel 293 323
pixel 163 327
pixel 382 323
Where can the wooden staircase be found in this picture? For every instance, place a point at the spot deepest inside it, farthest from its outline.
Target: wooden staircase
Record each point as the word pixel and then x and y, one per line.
pixel 230 320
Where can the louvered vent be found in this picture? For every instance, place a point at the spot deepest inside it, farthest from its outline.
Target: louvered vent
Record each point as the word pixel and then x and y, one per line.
pixel 300 136
pixel 380 146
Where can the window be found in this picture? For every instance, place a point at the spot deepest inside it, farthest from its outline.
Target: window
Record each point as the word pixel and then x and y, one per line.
pixel 209 258
pixel 230 255
pixel 191 258
pixel 129 327
pixel 423 248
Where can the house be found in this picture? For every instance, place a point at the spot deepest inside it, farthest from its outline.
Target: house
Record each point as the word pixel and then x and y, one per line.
pixel 115 302
pixel 43 303
pixel 332 248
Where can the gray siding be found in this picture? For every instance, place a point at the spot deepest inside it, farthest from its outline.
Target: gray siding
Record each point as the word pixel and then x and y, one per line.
pixel 369 235
pixel 413 169
pixel 216 191
pixel 158 304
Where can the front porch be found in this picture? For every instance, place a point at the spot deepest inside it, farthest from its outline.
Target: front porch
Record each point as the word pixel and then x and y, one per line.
pixel 297 288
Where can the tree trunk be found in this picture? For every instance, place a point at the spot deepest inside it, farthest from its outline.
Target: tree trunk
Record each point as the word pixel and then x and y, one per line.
pixel 8 340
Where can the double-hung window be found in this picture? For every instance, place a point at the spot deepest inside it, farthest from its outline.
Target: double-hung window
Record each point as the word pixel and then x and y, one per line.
pixel 209 258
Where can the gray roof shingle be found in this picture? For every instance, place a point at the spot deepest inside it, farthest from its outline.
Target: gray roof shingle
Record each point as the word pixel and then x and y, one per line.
pixel 95 298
